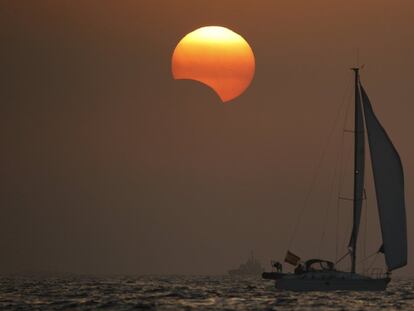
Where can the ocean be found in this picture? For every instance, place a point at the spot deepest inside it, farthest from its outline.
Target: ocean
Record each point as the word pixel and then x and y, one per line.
pixel 186 293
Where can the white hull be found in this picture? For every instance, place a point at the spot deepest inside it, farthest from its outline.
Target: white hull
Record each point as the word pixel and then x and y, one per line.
pixel 333 281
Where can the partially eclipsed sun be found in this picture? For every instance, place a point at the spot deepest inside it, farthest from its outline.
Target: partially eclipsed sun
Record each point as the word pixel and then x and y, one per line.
pixel 217 57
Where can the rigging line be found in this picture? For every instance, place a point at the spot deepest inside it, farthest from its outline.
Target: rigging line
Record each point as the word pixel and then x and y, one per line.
pixel 337 229
pixel 315 175
pixel 341 170
pixel 365 228
pixel 340 259
pixel 340 181
pixel 348 233
pixel 366 258
pixel 373 262
pixel 330 198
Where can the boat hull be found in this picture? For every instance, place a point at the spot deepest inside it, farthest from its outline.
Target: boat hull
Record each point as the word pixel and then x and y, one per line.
pixel 331 283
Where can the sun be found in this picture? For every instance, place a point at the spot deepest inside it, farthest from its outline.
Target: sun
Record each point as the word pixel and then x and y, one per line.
pixel 217 57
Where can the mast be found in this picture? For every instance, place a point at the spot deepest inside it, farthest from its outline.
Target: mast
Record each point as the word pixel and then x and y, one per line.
pixel 359 163
pixel 353 239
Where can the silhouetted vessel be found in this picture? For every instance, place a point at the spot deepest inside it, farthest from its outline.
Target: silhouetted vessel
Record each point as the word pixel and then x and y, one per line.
pixel 251 268
pixel 321 275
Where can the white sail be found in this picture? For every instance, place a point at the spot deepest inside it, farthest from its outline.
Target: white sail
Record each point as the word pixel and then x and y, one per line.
pixel 389 187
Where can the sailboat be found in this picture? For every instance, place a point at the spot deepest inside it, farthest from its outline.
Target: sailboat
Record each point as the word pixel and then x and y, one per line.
pixel 321 275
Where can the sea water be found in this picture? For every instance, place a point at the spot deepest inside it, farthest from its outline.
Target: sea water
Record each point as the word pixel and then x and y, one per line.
pixel 187 293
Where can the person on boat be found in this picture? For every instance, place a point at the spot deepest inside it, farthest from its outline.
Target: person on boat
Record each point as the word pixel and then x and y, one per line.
pixel 278 266
pixel 299 269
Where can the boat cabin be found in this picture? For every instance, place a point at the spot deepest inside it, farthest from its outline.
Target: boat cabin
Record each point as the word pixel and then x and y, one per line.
pixel 315 265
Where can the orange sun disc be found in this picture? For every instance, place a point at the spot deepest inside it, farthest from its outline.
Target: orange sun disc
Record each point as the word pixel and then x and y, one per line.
pixel 217 57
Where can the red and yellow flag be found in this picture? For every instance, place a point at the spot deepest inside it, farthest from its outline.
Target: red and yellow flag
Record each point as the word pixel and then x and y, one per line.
pixel 292 258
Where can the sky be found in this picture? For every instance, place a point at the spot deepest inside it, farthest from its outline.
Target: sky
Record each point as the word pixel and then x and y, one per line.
pixel 110 166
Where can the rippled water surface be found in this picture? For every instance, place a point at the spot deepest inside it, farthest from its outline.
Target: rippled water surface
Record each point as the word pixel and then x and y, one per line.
pixel 179 292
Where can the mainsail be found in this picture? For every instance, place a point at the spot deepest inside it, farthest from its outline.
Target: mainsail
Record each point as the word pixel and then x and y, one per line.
pixel 389 187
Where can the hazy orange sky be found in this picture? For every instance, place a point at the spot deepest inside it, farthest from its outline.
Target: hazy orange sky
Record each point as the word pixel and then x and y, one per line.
pixel 109 165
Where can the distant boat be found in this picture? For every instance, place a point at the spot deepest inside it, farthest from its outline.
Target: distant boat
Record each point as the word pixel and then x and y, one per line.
pixel 321 275
pixel 251 268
